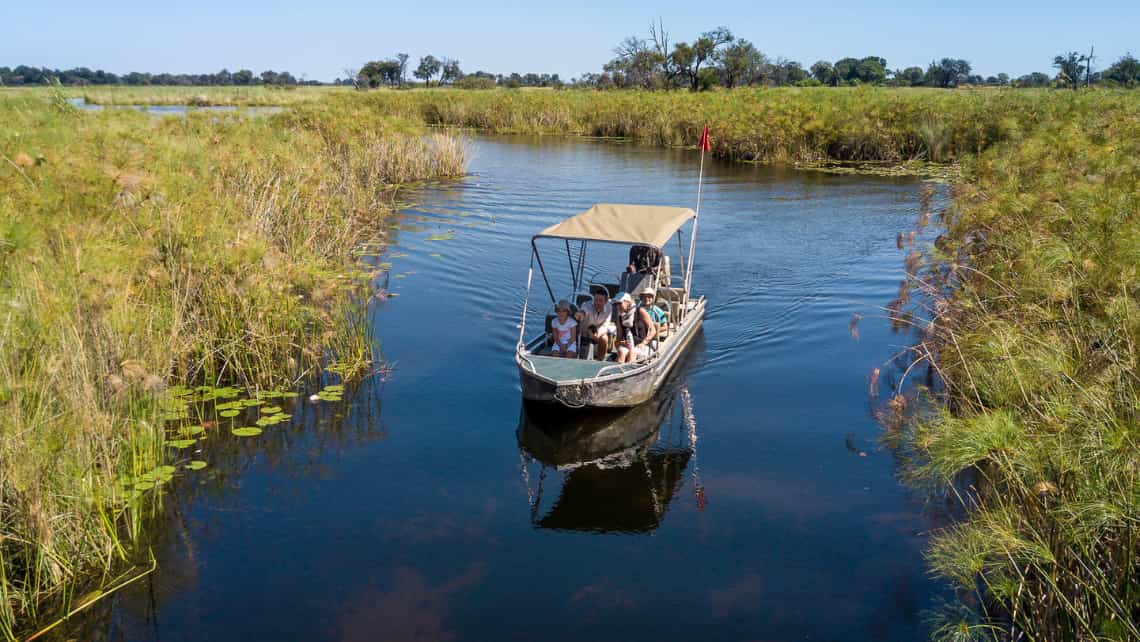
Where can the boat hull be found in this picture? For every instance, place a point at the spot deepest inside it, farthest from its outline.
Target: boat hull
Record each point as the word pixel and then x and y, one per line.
pixel 622 391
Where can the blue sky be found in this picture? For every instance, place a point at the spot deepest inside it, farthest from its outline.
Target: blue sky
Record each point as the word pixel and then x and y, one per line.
pixel 320 39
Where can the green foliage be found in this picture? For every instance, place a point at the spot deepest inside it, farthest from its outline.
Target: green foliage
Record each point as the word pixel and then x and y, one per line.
pixel 1037 345
pixel 138 252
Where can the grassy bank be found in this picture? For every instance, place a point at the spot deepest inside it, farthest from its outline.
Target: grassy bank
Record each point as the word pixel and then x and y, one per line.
pixel 767 125
pixel 203 96
pixel 139 252
pixel 1035 329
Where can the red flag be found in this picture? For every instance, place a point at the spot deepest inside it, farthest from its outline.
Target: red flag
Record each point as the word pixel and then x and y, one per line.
pixel 704 145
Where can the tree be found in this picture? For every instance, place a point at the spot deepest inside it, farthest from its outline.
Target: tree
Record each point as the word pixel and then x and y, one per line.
pixel 909 77
pixel 1003 79
pixel 638 64
pixel 428 68
pixel 824 72
pixel 402 58
pixel 1070 66
pixel 451 71
pixel 845 70
pixel 741 63
pixel 871 70
pixel 1035 79
pixel 787 72
pixel 688 59
pixel 1125 71
pixel 948 72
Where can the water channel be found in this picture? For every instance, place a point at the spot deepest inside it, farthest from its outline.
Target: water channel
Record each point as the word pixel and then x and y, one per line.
pixel 750 501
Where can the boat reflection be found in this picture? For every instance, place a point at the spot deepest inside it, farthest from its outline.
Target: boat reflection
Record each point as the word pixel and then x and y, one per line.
pixel 620 469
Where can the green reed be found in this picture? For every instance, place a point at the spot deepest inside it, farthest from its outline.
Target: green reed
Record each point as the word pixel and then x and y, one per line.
pixel 138 252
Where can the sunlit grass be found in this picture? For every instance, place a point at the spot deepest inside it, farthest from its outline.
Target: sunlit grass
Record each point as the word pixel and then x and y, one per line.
pixel 138 252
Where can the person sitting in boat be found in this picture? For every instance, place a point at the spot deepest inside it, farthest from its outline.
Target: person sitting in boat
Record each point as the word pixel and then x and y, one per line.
pixel 597 321
pixel 660 319
pixel 636 330
pixel 565 330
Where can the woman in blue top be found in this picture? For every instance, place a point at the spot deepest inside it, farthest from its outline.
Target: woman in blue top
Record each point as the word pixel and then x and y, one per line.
pixel 660 319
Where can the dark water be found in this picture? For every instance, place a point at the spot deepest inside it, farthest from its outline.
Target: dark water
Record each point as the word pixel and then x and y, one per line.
pixel 750 501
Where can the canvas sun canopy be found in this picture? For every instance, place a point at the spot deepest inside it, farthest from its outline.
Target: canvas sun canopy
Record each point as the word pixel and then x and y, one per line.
pixel 638 224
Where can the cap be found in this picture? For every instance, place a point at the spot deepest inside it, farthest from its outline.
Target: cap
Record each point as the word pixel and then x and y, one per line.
pixel 562 305
pixel 622 297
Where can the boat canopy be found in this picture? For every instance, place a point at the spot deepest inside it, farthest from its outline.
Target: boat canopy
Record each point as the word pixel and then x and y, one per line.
pixel 635 224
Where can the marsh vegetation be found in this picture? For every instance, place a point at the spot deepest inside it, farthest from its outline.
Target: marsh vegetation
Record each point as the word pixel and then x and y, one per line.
pixel 141 254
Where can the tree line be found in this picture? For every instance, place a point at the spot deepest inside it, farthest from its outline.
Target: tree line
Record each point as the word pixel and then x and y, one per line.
pixel 393 72
pixel 719 58
pixel 25 75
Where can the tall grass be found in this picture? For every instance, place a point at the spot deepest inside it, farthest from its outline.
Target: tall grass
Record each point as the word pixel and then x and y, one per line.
pixel 1035 329
pixel 791 125
pixel 136 252
pixel 203 96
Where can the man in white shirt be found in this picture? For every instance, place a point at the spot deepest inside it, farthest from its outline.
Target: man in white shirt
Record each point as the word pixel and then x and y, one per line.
pixel 596 323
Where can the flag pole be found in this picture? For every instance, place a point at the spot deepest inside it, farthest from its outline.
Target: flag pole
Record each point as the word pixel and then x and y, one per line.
pixel 704 145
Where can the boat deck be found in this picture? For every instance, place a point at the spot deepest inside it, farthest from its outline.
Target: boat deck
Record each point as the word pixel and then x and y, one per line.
pixel 560 369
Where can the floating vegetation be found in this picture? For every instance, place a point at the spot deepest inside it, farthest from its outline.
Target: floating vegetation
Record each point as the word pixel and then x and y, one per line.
pixel 196 464
pixel 229 413
pixel 246 431
pixel 442 236
pixel 269 410
pixel 181 443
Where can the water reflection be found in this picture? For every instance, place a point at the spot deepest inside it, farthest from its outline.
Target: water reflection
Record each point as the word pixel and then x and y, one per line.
pixel 619 468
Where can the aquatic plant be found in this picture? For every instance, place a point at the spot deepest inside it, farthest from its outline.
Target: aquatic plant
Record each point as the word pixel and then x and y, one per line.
pixel 1031 319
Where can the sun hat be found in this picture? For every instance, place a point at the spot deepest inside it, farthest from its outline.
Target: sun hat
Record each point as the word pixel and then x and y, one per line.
pixel 649 291
pixel 599 289
pixel 563 305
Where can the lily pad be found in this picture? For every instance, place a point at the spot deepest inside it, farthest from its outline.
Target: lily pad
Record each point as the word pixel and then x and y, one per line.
pixel 229 413
pixel 165 470
pixel 270 410
pixel 290 395
pixel 249 403
pixel 269 394
pixel 144 485
pixel 197 464
pixel 246 431
pixel 181 443
pixel 190 431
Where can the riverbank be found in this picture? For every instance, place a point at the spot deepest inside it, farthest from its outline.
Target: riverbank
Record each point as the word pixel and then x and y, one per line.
pixel 786 125
pixel 1036 342
pixel 141 253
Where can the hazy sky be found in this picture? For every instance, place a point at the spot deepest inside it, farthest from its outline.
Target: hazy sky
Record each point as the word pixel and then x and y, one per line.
pixel 320 38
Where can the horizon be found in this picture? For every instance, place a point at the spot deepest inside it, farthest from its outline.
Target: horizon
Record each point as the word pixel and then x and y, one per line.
pixel 321 44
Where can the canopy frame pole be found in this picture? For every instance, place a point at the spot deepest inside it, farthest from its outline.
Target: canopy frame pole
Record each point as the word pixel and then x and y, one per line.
pixel 696 217
pixel 573 272
pixel 542 270
pixel 581 265
pixel 526 301
pixel 680 314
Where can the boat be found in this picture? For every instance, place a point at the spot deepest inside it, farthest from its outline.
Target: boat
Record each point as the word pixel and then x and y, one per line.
pixel 585 382
pixel 620 468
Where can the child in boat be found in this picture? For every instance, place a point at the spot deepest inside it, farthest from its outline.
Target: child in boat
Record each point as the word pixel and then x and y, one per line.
pixel 565 330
